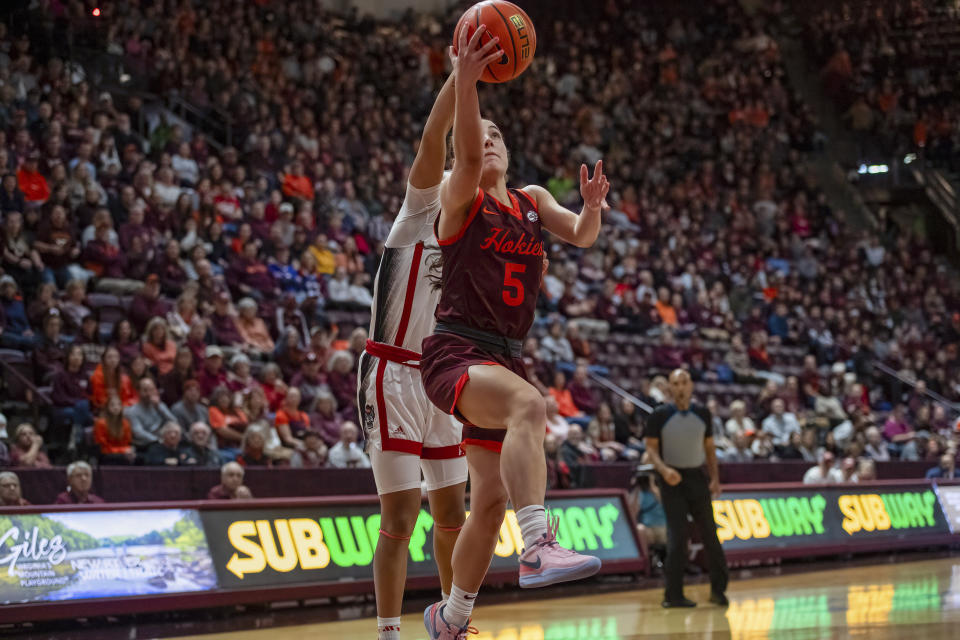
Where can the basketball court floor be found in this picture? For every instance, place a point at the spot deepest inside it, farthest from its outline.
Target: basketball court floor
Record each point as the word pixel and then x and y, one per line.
pixel 916 600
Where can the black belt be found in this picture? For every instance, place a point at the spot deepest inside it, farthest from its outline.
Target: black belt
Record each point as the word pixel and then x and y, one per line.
pixel 493 342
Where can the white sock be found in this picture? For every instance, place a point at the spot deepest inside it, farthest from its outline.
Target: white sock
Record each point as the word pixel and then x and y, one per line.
pixel 533 523
pixel 388 628
pixel 459 606
pixel 444 596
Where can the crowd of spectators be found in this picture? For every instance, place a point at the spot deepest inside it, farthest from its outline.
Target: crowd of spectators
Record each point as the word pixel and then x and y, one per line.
pixel 888 64
pixel 227 263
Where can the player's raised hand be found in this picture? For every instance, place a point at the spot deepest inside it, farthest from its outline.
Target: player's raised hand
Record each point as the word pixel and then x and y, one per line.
pixel 594 190
pixel 470 57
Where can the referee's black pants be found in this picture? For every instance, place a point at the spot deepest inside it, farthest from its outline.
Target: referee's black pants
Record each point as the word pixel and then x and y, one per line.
pixel 691 496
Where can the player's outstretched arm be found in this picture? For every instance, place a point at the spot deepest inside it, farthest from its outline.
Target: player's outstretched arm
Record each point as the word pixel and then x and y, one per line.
pixel 460 188
pixel 580 230
pixel 427 169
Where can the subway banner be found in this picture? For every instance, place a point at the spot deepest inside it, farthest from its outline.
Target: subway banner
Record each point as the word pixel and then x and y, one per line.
pixel 810 516
pixel 272 546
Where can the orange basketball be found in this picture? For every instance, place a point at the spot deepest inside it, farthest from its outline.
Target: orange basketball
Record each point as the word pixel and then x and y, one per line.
pixel 510 23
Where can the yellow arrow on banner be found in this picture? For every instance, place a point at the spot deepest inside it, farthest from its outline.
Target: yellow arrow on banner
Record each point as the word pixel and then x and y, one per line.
pixel 238 567
pixel 238 533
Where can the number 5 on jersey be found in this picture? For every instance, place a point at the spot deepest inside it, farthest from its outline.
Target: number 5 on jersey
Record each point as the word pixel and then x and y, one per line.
pixel 513 292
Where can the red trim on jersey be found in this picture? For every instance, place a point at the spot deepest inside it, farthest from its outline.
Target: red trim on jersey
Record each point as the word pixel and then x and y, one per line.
pixel 513 209
pixel 386 442
pixel 489 445
pixel 411 290
pixel 388 353
pixel 474 208
pixel 393 354
pixel 442 453
pixel 461 383
pixel 533 202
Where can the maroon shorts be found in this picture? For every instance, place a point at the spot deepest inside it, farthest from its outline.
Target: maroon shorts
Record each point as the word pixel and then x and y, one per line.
pixel 444 369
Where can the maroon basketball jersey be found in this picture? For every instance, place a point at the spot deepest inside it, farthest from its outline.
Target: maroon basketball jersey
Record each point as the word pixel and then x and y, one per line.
pixel 491 268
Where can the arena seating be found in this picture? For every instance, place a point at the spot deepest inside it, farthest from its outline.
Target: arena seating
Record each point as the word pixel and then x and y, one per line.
pixel 169 155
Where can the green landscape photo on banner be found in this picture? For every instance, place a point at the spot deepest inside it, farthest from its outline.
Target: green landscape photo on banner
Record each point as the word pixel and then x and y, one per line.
pixel 101 554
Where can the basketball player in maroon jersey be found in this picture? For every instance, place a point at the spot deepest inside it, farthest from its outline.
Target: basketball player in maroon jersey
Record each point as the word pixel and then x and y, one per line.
pixel 405 432
pixel 491 241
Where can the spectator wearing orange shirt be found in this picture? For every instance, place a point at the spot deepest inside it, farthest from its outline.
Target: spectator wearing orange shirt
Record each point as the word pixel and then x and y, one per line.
pixel 158 348
pixel 668 315
pixel 108 379
pixel 295 183
pixel 561 394
pixel 31 181
pixel 292 423
pixel 228 422
pixel 113 434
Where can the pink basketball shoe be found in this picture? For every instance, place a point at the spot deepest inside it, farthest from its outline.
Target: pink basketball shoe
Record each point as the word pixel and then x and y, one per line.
pixel 546 562
pixel 439 629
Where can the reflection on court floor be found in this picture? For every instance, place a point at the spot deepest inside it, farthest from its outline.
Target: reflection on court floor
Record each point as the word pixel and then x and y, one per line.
pixel 917 600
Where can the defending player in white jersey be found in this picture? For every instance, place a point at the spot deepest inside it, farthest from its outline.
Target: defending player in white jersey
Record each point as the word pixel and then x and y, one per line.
pixel 405 431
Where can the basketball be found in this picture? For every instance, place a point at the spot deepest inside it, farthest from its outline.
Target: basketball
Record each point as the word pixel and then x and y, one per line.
pixel 510 23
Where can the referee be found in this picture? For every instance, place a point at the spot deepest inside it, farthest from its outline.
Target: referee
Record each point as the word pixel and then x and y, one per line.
pixel 679 440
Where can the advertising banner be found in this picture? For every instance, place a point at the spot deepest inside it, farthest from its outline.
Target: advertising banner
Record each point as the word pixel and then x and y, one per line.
pixel 949 496
pixel 809 516
pixel 85 554
pixel 266 547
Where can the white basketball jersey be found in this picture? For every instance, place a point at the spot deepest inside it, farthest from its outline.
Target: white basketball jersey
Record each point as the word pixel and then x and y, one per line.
pixel 404 298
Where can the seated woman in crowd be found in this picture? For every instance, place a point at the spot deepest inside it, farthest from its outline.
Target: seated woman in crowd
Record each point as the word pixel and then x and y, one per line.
pixel 252 328
pixel 108 378
pixel 74 306
pixel 26 450
pixel 50 353
pixel 325 419
pixel 289 351
pixel 291 423
pixel 564 399
pixel 314 454
pixel 182 315
pixel 69 393
pixel 228 421
pixel 739 422
pixel 602 432
pixel 43 302
pixel 342 378
pixel 239 378
pixel 124 340
pixel 113 434
pixel 256 408
pixel 90 342
pixel 138 370
pixel 197 340
pixel 159 350
pixel 273 385
pixel 252 449
pixel 171 384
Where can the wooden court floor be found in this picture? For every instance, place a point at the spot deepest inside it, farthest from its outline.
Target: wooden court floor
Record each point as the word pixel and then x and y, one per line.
pixel 915 600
